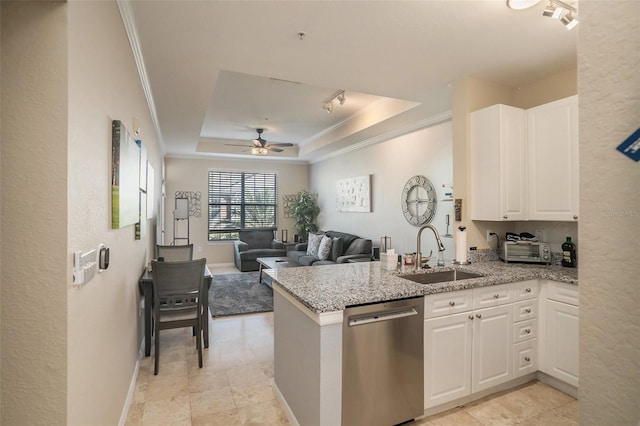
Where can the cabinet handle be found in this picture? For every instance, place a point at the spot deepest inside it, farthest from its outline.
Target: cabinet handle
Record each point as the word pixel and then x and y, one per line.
pixel 496 296
pixel 527 330
pixel 505 217
pixel 526 358
pixel 528 290
pixel 452 303
pixel 478 315
pixel 575 216
pixel 470 317
pixel 528 310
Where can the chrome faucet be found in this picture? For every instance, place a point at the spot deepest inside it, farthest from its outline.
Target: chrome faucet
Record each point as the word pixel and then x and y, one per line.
pixel 438 240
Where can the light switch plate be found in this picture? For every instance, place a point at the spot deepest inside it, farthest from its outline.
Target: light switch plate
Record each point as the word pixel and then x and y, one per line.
pixel 84 266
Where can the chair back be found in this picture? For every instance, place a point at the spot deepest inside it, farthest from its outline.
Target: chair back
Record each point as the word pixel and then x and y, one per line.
pixel 178 285
pixel 174 253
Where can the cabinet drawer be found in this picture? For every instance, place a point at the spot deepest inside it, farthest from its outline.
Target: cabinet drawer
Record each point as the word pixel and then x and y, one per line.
pixel 561 292
pixel 525 330
pixel 525 358
pixel 485 297
pixel 436 305
pixel 524 310
pixel 526 290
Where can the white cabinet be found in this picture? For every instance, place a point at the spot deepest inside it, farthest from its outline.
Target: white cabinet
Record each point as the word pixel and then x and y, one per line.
pixel 467 350
pixel 492 347
pixel 447 358
pixel 561 332
pixel 552 143
pixel 524 164
pixel 498 160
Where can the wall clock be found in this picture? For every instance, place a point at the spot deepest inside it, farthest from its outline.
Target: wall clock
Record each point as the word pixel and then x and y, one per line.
pixel 418 200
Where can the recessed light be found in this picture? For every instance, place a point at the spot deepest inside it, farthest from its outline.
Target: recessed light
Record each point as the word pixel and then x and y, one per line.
pixel 522 4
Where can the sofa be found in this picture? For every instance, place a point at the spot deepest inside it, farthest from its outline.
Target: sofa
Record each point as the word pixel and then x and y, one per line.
pixel 252 244
pixel 343 248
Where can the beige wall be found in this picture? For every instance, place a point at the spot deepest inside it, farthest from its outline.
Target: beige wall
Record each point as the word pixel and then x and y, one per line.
pixel 34 213
pixel 552 88
pixel 391 163
pixel 103 316
pixel 191 175
pixel 609 83
pixel 68 353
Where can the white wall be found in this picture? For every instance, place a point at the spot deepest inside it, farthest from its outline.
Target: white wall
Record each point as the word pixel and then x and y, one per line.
pixel 609 83
pixel 391 163
pixel 191 175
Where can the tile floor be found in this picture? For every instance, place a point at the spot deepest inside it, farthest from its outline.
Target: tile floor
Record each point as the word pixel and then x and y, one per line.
pixel 234 385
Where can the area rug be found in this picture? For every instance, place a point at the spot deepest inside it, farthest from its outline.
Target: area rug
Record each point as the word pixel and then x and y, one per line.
pixel 236 294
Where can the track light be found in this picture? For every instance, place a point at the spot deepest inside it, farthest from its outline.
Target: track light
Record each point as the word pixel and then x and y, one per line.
pixel 339 96
pixel 553 11
pixel 558 9
pixel 569 21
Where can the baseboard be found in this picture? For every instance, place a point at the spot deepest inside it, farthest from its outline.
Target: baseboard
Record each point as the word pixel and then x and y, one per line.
pixel 132 386
pixel 283 404
pixel 557 384
pixel 478 395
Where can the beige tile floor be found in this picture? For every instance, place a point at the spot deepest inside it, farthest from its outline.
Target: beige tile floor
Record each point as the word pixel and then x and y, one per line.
pixel 234 385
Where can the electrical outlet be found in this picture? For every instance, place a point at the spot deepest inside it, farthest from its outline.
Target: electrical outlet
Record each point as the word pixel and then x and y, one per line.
pixel 489 236
pixel 540 234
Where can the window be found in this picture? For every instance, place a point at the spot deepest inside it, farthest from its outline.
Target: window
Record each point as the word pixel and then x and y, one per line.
pixel 240 200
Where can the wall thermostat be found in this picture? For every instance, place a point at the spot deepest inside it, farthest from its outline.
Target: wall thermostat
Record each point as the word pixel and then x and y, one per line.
pixel 103 257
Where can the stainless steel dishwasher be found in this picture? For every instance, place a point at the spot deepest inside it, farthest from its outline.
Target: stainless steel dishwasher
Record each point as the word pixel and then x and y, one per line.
pixel 382 363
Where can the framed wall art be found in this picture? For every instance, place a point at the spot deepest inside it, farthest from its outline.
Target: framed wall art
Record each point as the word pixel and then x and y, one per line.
pixel 354 194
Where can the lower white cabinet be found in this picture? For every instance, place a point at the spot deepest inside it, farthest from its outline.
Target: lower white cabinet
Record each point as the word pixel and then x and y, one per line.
pixel 561 333
pixel 468 351
pixel 492 347
pixel 448 344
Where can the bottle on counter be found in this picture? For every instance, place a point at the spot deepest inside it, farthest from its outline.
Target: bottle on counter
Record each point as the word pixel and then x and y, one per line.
pixel 569 253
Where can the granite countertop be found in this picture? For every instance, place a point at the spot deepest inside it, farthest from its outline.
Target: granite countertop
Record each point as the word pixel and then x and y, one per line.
pixel 330 288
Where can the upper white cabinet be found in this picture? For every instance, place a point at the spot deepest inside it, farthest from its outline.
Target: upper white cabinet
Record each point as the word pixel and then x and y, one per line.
pixel 524 163
pixel 552 142
pixel 498 164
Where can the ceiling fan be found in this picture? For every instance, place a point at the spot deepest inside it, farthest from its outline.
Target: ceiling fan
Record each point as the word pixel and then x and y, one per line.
pixel 260 146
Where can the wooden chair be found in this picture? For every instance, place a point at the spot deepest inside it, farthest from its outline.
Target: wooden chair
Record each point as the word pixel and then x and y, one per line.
pixel 178 299
pixel 174 253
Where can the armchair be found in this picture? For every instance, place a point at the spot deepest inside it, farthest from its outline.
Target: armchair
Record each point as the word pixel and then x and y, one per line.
pixel 255 243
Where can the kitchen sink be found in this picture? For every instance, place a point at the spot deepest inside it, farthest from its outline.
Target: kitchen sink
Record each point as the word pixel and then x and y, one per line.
pixel 439 277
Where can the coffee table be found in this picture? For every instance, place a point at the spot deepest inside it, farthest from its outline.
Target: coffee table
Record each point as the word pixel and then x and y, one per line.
pixel 275 263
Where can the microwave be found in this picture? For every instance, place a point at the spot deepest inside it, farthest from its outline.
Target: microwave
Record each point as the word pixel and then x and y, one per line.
pixel 525 251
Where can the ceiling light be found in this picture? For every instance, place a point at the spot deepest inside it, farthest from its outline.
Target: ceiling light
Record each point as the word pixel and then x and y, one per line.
pixel 339 96
pixel 569 21
pixel 522 4
pixel 553 11
pixel 259 151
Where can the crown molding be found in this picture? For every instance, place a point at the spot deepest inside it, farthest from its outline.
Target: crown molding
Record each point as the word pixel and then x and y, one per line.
pixel 126 12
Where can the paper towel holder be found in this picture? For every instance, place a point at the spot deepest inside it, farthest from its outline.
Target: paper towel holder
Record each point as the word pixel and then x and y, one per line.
pixel 455 261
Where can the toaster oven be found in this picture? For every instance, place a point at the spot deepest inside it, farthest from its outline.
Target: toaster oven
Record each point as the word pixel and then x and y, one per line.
pixel 525 251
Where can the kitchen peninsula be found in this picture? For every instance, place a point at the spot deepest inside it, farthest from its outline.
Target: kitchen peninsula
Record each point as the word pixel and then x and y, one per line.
pixel 308 316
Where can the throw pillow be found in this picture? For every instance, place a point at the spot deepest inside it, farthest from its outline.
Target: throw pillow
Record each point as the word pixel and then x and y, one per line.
pixel 314 244
pixel 336 248
pixel 324 250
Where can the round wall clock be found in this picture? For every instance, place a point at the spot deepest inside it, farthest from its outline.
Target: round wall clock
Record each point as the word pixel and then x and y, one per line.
pixel 418 200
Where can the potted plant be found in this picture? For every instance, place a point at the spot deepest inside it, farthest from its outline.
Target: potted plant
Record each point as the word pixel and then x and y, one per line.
pixel 305 210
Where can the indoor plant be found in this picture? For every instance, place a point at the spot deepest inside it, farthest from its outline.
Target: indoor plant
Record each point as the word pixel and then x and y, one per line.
pixel 305 211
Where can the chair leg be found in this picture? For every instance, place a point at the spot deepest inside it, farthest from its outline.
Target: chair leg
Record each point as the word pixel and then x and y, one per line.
pixel 157 350
pixel 199 345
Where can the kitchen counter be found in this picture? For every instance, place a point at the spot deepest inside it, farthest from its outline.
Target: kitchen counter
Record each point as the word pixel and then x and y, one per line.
pixel 331 288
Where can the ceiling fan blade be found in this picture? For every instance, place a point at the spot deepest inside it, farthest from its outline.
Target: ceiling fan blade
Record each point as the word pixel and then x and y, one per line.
pixel 285 144
pixel 236 144
pixel 271 148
